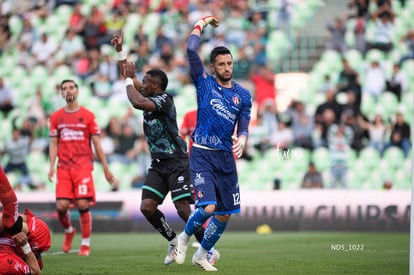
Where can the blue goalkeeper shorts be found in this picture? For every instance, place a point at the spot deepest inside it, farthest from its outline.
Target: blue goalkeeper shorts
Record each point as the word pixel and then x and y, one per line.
pixel 214 177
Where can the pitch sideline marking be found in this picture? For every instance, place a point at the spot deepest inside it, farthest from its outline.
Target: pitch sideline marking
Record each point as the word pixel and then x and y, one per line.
pixel 59 252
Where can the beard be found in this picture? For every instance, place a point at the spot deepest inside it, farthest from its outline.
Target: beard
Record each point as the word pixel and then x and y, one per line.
pixel 223 78
pixel 70 99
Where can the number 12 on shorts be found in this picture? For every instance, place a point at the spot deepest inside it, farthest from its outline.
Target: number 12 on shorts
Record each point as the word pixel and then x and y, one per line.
pixel 236 199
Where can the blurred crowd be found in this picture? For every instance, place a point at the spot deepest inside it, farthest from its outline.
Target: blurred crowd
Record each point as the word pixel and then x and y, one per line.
pixel 158 38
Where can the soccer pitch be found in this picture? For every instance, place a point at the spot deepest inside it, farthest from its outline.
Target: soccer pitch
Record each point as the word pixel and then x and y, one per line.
pixel 241 253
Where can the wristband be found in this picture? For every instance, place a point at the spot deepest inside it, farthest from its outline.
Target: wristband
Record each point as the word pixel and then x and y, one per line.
pixel 121 56
pixel 197 27
pixel 129 81
pixel 26 248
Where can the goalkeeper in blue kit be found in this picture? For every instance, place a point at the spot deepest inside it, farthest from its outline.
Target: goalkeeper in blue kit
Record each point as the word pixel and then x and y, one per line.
pixel 222 106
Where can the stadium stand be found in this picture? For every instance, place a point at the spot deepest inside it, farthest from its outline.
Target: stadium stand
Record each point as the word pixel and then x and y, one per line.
pixel 367 170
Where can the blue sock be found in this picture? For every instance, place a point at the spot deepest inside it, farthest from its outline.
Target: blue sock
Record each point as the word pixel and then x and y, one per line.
pixel 196 220
pixel 213 232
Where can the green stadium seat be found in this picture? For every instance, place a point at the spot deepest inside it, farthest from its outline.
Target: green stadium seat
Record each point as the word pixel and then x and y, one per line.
pixel 355 58
pixel 16 25
pixel 39 75
pixel 63 13
pixel 389 104
pixel 370 157
pixel 332 59
pixel 394 157
pixel 321 158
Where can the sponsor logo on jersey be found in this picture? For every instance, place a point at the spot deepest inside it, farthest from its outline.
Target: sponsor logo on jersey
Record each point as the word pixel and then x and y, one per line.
pixel 69 134
pixel 222 110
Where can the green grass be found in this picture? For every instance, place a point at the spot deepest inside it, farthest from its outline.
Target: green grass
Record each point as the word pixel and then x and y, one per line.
pixel 241 253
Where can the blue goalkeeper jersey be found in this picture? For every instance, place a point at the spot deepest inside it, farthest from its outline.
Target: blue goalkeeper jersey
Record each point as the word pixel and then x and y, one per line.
pixel 220 109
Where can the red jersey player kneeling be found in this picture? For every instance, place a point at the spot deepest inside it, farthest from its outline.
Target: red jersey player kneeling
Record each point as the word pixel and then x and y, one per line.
pixel 72 129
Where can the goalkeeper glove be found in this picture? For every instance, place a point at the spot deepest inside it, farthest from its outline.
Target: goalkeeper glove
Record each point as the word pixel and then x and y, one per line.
pixel 238 145
pixel 212 20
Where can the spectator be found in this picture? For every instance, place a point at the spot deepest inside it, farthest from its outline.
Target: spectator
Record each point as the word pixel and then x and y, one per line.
pixel 339 138
pixel 259 136
pixel 28 35
pixel 93 30
pixel 108 145
pixel 44 50
pixel 376 132
pixel 320 133
pixel 348 79
pixel 77 19
pixel 284 17
pixel 362 8
pixel 237 23
pixel 283 137
pixel 360 35
pixel 187 127
pixel 6 98
pixel 302 126
pixel 312 178
pixel 108 67
pixel 263 79
pixel 374 84
pixel 143 158
pixel 327 84
pixel 408 41
pixel 101 86
pixel 124 150
pixel 360 136
pixel 337 32
pixel 397 82
pixel 383 36
pixel 330 104
pixel 400 135
pixel 242 65
pixel 71 46
pixel 5 32
pixel 18 150
pixel 113 24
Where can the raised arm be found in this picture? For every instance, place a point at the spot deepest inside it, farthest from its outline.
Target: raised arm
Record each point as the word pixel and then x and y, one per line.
pixel 121 56
pixel 194 60
pixel 136 97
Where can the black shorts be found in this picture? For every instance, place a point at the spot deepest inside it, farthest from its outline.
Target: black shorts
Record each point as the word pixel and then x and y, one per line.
pixel 167 175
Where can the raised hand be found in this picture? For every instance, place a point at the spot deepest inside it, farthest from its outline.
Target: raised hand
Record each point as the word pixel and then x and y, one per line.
pixel 208 20
pixel 128 70
pixel 117 41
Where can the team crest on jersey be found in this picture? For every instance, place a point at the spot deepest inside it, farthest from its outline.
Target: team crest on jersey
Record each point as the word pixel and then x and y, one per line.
pixel 236 100
pixel 204 74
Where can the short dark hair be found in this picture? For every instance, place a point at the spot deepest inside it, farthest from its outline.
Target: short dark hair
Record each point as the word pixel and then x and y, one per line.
pixel 160 76
pixel 220 50
pixel 68 80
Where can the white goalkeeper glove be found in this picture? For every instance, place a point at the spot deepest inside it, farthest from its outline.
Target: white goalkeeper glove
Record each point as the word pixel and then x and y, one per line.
pixel 208 20
pixel 238 145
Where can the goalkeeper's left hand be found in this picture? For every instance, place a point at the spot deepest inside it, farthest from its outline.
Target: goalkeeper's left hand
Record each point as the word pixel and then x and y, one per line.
pixel 238 145
pixel 208 20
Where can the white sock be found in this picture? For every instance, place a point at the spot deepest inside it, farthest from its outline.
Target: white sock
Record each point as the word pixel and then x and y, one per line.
pixel 69 229
pixel 201 253
pixel 173 241
pixel 86 241
pixel 185 237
